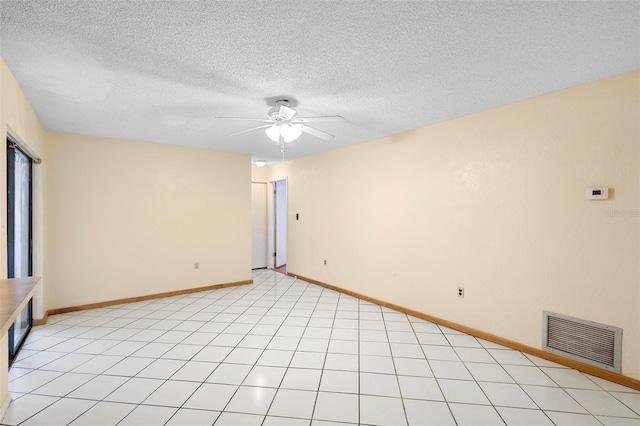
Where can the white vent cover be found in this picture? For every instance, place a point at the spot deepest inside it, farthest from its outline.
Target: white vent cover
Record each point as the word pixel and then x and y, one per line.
pixel 585 341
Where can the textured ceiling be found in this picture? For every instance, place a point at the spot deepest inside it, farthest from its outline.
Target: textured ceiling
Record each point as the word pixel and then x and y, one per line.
pixel 161 71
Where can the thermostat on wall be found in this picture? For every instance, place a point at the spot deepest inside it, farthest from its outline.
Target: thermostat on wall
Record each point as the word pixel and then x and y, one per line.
pixel 597 193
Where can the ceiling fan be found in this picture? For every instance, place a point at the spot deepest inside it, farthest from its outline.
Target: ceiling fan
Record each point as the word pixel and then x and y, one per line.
pixel 285 125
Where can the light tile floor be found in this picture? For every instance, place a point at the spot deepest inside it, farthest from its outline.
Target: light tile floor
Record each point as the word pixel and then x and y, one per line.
pixel 286 352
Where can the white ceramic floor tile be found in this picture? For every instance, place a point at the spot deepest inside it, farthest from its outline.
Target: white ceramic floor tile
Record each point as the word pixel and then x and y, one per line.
pixel 16 372
pixel 463 341
pixel 618 421
pixel 144 415
pixel 379 385
pixel 474 355
pixel 488 372
pixel 412 367
pixel 97 364
pixel 32 380
pixel 211 396
pixel 345 334
pixel 199 338
pixel 134 391
pixel 125 348
pixel 255 341
pixel 273 358
pixel 293 403
pixel 377 364
pixel 337 407
pixel 631 400
pixel 421 326
pixel 313 345
pixel 212 354
pixel 182 352
pixel 172 393
pixel 407 350
pixel 195 371
pixel 38 359
pixel 509 356
pixel 572 419
pixel 375 348
pixel 339 381
pixel 25 407
pixel 129 367
pixel 601 403
pixel 238 419
pixel 68 362
pixel 283 343
pixel 436 339
pixel 420 388
pixel 440 353
pixel 462 391
pixel 189 417
pixel 374 335
pixel 252 400
pixel 153 350
pixel 610 386
pixel 475 415
pixel 244 356
pixel 507 395
pixel 61 412
pixel 99 387
pixel 161 369
pixel 230 374
pixel 173 336
pixel 64 384
pixel 96 347
pixel 376 410
pixel 449 370
pixel 529 375
pixel 523 417
pixel 344 362
pixel 104 413
pixel 569 378
pixel 554 399
pixel 308 360
pixel 428 413
pixel 302 379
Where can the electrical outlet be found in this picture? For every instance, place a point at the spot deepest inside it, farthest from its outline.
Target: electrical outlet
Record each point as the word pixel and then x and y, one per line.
pixel 325 262
pixel 196 265
pixel 460 291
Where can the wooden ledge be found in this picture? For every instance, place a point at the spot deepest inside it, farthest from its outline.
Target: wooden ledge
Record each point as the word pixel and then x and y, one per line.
pixel 15 293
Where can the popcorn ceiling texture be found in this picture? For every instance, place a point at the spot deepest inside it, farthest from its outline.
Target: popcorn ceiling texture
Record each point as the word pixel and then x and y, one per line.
pixel 160 71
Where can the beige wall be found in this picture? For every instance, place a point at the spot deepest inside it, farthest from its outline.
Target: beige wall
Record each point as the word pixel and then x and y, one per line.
pixel 494 202
pixel 126 219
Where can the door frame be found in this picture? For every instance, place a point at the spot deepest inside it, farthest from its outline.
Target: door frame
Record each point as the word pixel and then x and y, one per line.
pixel 272 218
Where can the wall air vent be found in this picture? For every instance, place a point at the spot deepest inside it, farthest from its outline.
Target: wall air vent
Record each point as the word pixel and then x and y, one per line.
pixel 585 341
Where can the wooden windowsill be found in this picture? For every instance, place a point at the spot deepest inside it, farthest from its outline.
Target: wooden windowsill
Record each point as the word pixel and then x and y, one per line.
pixel 15 293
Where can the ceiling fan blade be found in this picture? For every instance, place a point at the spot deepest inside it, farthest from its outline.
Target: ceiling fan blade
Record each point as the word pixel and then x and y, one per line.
pixel 287 112
pixel 315 132
pixel 244 118
pixel 250 130
pixel 319 119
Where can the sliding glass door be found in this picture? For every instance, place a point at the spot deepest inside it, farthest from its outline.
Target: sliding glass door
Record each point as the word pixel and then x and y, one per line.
pixel 19 239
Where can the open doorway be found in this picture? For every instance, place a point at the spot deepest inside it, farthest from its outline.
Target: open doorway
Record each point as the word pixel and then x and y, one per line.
pixel 280 226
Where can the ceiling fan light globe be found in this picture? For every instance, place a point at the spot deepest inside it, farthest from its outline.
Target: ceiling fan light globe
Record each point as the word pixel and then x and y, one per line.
pixel 273 132
pixel 290 132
